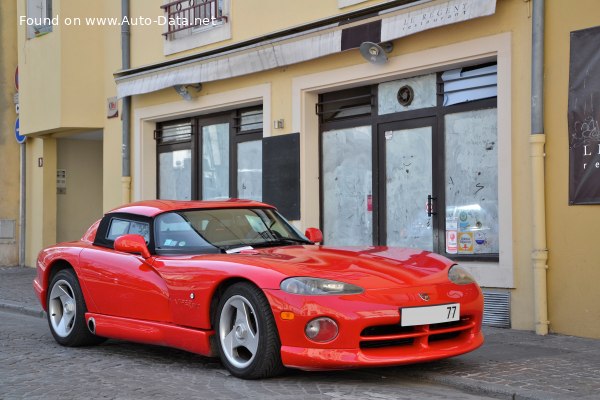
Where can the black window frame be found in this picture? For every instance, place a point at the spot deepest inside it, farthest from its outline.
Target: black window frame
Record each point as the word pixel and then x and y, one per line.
pixel 176 144
pixel 436 114
pixel 194 143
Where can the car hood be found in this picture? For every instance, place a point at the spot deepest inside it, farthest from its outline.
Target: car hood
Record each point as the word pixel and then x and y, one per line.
pixel 369 267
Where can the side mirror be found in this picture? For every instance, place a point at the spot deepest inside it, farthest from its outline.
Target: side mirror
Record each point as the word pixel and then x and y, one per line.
pixel 132 244
pixel 314 235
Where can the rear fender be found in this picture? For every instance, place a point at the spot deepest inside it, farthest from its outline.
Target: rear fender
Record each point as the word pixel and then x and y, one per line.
pixel 52 260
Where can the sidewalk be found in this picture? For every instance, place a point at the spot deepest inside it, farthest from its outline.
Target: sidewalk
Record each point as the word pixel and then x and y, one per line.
pixel 511 364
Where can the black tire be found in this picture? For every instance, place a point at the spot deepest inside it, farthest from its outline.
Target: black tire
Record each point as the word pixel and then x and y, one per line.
pixel 251 349
pixel 66 311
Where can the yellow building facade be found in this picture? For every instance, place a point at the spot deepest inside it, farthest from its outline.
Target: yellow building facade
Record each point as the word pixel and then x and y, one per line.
pixel 381 122
pixel 9 147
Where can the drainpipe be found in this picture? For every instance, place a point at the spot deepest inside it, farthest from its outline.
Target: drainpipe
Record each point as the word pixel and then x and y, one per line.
pixel 126 116
pixel 22 205
pixel 537 140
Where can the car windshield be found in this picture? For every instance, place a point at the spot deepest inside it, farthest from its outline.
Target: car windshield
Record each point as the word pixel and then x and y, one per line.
pixel 222 230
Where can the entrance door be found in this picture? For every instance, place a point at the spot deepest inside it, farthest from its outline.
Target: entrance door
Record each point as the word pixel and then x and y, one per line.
pixel 394 207
pixel 215 161
pixel 406 164
pixel 347 186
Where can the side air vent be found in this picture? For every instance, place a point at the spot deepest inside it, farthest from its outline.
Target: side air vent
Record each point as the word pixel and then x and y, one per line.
pixel 496 309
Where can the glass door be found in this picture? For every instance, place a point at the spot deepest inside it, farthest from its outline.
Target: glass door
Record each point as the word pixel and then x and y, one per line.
pixel 408 211
pixel 347 186
pixel 215 161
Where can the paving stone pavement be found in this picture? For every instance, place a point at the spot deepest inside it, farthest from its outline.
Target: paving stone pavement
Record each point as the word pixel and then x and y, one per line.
pixel 34 366
pixel 511 364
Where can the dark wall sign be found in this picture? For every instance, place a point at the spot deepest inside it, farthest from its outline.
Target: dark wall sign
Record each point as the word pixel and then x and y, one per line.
pixel 583 116
pixel 281 174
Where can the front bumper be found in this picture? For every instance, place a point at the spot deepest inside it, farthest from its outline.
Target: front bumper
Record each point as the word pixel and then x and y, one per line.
pixel 324 359
pixel 370 331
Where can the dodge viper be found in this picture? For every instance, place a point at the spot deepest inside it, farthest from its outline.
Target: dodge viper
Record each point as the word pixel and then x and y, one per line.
pixel 234 279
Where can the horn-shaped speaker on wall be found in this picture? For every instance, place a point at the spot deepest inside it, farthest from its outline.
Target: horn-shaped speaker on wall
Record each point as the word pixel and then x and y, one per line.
pixel 375 53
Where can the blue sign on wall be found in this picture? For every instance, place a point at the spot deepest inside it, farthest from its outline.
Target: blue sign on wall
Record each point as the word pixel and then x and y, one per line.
pixel 20 139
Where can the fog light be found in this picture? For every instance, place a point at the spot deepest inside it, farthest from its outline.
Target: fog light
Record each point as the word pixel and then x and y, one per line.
pixel 321 329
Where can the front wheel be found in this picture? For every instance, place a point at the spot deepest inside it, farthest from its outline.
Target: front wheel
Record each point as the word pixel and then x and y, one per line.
pixel 66 311
pixel 248 341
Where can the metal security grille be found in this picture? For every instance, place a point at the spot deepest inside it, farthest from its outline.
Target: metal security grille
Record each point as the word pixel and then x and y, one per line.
pixel 496 309
pixel 185 14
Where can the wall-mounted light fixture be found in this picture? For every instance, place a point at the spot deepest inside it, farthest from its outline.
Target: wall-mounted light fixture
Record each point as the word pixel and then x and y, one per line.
pixel 375 53
pixel 184 90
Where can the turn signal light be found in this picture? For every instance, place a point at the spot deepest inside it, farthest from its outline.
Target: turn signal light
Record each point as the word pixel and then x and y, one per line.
pixel 287 315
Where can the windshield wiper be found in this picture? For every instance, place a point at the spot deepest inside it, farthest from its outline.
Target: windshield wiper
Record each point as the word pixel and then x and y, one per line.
pixel 292 240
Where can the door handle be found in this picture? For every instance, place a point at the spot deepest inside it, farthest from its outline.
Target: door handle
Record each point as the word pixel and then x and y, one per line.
pixel 429 206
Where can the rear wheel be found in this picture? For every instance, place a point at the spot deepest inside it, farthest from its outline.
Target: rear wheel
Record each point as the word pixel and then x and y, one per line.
pixel 248 341
pixel 66 311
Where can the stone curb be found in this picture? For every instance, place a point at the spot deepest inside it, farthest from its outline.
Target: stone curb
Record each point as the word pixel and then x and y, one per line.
pixel 21 309
pixel 486 388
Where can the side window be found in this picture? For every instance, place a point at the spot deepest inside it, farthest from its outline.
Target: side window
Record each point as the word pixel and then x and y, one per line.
pixel 119 227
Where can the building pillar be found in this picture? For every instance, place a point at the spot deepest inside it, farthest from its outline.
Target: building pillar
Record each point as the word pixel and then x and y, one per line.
pixel 41 196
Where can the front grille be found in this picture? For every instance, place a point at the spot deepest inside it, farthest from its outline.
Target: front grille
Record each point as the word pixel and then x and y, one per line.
pixel 376 344
pixel 384 330
pixel 444 336
pixel 381 336
pixel 447 325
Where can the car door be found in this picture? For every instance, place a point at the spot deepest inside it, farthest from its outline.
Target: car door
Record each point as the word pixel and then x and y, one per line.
pixel 123 284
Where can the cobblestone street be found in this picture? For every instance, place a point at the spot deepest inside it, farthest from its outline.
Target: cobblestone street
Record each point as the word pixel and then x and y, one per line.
pixel 34 366
pixel 510 365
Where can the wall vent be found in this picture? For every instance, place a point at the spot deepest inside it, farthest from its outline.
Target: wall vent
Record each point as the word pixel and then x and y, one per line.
pixel 7 229
pixel 496 309
pixel 470 84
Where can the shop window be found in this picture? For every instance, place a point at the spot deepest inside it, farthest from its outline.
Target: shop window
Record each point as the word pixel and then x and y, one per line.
pixel 211 157
pixel 471 188
pixel 39 17
pixel 215 161
pixel 175 160
pixel 250 170
pixel 419 170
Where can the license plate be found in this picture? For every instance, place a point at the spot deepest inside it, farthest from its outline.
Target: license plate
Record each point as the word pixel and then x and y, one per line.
pixel 430 315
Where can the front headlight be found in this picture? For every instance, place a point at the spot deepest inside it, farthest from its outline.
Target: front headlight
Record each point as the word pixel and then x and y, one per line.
pixel 460 276
pixel 318 287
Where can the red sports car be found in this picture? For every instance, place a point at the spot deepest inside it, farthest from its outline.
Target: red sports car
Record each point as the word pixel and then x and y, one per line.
pixel 235 279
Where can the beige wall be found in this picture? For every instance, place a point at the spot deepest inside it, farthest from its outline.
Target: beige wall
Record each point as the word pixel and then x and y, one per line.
pixel 61 84
pixel 574 254
pixel 81 205
pixel 9 148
